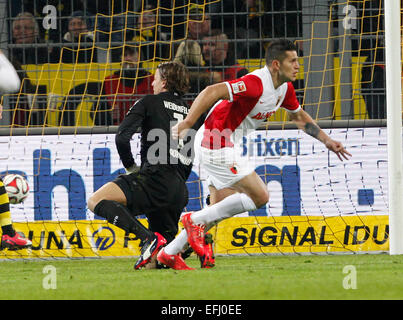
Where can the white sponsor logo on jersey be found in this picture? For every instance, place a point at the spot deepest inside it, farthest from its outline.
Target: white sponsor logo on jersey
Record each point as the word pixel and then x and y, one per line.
pixel 238 87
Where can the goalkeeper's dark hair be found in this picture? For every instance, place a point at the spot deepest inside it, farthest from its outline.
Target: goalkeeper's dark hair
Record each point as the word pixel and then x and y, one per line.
pixel 277 50
pixel 176 76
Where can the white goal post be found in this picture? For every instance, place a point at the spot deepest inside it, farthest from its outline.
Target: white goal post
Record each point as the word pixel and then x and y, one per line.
pixel 394 124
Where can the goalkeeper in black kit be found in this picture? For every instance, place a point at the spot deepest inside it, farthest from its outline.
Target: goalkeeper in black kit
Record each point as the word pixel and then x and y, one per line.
pixel 157 188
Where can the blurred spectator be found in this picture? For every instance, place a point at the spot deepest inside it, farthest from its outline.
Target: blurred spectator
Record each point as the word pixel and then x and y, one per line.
pixel 78 42
pixel 218 53
pixel 76 26
pixel 198 26
pixel 124 87
pixel 114 24
pixel 63 9
pixel 248 29
pixel 250 22
pixel 25 32
pixel 154 43
pixel 189 53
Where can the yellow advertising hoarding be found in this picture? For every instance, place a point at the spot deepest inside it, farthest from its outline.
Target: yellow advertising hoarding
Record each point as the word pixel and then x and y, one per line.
pixel 239 235
pixel 302 234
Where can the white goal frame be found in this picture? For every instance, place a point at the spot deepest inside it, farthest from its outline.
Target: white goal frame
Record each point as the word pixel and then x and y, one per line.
pixel 394 124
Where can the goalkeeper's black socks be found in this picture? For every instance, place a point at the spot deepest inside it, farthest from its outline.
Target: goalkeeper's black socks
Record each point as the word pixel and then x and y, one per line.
pixel 118 215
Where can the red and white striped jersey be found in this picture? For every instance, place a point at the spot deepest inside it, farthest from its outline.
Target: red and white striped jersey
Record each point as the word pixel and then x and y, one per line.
pixel 253 99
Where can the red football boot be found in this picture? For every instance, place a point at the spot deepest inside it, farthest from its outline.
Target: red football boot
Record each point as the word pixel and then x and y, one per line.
pixel 208 259
pixel 15 243
pixel 173 261
pixel 195 234
pixel 150 249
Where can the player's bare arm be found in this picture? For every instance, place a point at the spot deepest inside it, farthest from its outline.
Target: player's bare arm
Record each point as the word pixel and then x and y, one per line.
pixel 210 95
pixel 305 122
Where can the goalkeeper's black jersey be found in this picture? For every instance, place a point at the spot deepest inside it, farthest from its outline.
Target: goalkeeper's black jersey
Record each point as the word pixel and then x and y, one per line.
pixel 155 115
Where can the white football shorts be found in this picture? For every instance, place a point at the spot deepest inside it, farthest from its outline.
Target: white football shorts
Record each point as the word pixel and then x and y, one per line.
pixel 224 167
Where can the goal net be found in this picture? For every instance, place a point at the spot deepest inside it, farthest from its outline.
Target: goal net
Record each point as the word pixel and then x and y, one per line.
pixel 86 65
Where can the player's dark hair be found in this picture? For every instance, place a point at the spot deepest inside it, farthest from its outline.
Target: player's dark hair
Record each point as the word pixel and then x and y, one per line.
pixel 277 50
pixel 176 76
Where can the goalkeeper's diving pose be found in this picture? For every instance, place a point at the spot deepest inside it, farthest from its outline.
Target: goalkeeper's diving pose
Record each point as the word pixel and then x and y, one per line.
pixel 157 188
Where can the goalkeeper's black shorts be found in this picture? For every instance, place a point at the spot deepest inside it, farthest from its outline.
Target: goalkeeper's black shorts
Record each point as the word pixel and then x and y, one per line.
pixel 159 193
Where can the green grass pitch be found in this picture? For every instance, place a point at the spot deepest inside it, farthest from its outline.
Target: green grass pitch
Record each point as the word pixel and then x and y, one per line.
pixel 351 277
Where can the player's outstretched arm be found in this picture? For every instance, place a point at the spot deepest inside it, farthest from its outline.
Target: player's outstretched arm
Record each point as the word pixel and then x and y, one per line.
pixel 305 122
pixel 210 95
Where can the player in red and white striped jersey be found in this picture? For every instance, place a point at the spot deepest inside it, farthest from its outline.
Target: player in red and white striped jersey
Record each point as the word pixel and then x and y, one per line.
pixel 238 106
pixel 252 99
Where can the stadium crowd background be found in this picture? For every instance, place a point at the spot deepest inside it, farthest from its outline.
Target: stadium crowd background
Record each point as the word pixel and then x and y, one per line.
pixel 132 35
